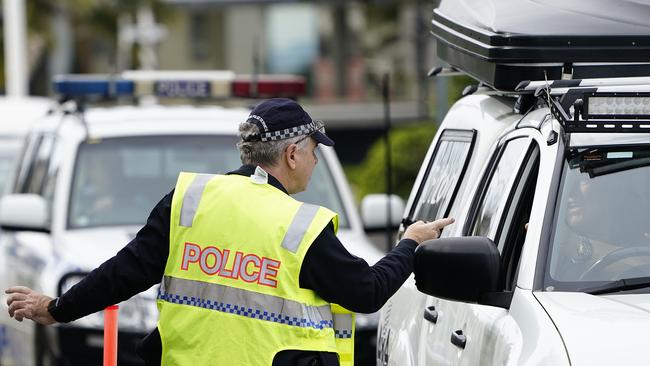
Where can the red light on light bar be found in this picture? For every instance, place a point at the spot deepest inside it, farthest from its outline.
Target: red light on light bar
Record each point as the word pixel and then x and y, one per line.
pixel 269 86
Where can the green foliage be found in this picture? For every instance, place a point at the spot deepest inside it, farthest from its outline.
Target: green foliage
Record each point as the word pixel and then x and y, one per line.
pixel 456 86
pixel 409 145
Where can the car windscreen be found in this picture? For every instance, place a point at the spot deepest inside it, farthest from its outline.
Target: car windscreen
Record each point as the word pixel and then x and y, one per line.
pixel 602 219
pixel 117 181
pixel 9 150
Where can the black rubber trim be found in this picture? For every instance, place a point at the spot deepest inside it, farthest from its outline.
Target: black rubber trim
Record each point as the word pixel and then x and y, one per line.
pixel 548 225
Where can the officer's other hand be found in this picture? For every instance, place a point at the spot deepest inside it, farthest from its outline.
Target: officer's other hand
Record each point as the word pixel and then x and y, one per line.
pixel 421 231
pixel 26 303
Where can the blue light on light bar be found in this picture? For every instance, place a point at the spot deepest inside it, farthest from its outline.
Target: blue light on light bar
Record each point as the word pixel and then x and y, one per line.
pixel 100 87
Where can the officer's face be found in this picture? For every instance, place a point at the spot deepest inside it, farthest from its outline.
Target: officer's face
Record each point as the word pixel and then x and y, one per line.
pixel 306 160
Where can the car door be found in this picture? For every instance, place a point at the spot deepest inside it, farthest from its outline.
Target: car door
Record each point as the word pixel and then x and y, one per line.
pixel 24 254
pixel 472 334
pixel 440 187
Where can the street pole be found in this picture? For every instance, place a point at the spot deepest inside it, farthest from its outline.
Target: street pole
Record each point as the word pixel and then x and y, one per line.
pixel 15 29
pixel 385 91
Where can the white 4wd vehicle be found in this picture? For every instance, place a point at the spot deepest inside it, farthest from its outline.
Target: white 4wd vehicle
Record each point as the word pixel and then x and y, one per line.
pixel 86 184
pixel 548 262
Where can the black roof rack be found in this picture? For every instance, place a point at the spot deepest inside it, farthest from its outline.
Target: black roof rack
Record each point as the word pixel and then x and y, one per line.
pixel 502 42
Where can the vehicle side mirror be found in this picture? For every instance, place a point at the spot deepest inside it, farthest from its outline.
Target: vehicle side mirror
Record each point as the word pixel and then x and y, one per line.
pixel 374 211
pixel 461 269
pixel 23 212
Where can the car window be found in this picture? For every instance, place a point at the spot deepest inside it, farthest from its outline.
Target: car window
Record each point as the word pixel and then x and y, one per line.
pixel 37 170
pixel 498 189
pixel 443 175
pixel 516 216
pixel 26 160
pixel 602 225
pixel 117 181
pixel 9 152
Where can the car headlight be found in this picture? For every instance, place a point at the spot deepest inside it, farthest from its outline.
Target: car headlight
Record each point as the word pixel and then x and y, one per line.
pixel 137 314
pixel 93 321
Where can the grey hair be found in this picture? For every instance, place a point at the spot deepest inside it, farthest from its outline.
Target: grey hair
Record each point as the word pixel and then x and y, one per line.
pixel 259 152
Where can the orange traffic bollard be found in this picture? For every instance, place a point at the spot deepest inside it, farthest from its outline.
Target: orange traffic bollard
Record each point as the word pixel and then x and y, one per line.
pixel 110 335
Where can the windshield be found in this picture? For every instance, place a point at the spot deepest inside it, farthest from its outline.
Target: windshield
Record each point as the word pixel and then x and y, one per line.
pixel 9 150
pixel 117 181
pixel 602 219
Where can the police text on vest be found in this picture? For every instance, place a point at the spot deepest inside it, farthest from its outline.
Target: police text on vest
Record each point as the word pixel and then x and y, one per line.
pixel 246 267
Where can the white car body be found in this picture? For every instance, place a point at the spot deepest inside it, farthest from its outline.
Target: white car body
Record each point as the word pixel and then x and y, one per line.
pixel 540 325
pixel 40 259
pixel 18 115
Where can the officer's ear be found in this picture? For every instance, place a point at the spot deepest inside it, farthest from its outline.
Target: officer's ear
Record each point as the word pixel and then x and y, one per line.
pixel 290 155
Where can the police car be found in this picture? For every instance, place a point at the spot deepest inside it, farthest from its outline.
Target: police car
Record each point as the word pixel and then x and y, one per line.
pixel 546 168
pixel 90 176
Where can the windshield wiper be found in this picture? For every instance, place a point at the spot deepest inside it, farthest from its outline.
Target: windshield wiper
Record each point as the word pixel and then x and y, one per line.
pixel 617 167
pixel 624 284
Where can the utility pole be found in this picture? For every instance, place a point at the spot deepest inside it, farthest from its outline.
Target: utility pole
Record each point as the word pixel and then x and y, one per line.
pixel 15 39
pixel 341 36
pixel 422 39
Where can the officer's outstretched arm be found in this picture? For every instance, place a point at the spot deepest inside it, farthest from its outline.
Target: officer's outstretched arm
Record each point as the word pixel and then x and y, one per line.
pixel 26 303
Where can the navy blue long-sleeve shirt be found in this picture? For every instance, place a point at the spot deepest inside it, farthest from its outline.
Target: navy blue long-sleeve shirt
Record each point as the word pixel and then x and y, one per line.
pixel 328 269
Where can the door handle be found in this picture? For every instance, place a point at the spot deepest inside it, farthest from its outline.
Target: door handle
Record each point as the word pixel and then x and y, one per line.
pixel 458 339
pixel 431 314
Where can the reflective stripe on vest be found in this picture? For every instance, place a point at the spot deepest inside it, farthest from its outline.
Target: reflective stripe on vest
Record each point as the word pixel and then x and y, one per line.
pixel 299 226
pixel 192 198
pixel 292 238
pixel 246 303
pixel 343 325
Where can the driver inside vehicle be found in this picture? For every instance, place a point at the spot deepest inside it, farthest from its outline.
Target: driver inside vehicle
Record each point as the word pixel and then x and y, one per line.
pixel 603 231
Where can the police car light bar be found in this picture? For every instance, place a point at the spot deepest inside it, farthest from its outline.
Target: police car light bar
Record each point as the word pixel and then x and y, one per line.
pixel 181 84
pixel 596 111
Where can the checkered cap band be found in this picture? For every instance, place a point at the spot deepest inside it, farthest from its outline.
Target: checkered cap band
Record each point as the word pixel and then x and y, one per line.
pixel 287 133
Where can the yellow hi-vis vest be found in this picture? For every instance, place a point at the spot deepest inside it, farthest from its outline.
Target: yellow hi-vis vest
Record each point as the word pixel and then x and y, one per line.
pixel 230 294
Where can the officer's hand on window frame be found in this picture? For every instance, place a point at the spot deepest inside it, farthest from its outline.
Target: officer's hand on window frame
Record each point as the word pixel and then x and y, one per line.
pixel 421 231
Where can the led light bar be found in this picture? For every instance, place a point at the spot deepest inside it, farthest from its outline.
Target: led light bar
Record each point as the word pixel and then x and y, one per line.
pixel 181 84
pixel 579 110
pixel 633 106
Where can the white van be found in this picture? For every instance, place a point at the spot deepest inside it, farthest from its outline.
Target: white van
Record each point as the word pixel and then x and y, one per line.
pixel 548 262
pixel 86 184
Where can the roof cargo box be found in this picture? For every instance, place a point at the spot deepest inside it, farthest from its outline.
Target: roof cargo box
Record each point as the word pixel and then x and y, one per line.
pixel 502 42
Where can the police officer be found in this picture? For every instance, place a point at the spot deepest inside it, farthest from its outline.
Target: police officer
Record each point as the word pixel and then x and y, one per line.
pixel 250 276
